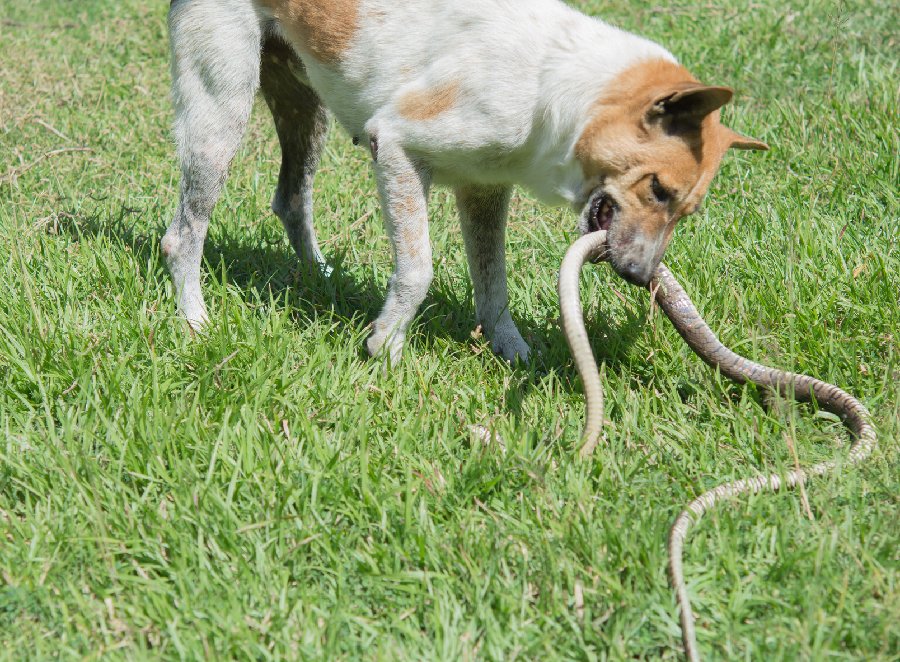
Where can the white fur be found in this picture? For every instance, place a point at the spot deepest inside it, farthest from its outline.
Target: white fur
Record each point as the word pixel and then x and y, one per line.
pixel 532 70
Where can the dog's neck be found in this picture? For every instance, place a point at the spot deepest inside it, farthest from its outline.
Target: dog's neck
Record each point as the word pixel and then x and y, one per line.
pixel 575 76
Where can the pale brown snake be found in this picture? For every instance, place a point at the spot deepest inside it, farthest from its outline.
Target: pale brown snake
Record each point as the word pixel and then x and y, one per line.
pixel 673 300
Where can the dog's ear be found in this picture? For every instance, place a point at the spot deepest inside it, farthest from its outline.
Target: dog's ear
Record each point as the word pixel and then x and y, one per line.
pixel 739 141
pixel 688 105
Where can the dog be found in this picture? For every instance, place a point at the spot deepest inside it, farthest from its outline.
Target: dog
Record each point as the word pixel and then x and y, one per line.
pixel 477 95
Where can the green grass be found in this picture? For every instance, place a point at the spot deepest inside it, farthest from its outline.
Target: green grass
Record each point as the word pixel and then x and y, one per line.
pixel 266 492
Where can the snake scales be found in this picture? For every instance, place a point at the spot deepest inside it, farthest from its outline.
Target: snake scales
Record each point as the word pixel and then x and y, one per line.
pixel 673 300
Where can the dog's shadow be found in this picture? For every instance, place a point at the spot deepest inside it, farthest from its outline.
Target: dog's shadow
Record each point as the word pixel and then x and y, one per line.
pixel 610 341
pixel 268 269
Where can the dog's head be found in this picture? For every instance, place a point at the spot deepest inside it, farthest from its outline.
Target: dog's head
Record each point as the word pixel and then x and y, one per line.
pixel 649 153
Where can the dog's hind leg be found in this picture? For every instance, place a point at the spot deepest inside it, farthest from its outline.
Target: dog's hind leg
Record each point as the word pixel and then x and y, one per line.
pixel 215 74
pixel 482 211
pixel 302 124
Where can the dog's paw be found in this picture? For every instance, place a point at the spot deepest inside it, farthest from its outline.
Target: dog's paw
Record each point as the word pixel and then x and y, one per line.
pixel 193 310
pixel 198 323
pixel 382 345
pixel 508 343
pixel 314 266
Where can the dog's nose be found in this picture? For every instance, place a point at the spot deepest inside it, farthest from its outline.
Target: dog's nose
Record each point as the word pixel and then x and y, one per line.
pixel 635 273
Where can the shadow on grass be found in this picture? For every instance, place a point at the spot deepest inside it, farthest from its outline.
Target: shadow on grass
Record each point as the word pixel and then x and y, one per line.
pixel 269 269
pixel 610 342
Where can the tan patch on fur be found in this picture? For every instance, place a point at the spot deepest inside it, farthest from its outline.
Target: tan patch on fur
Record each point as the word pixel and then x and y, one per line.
pixel 625 101
pixel 408 214
pixel 324 28
pixel 422 105
pixel 410 237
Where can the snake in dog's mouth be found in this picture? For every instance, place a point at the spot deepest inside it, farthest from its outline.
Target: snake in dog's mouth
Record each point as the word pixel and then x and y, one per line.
pixel 677 306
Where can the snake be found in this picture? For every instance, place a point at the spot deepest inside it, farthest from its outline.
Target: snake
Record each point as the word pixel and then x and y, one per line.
pixel 675 303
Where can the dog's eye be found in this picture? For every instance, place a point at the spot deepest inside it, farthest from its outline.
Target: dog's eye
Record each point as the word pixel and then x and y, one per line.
pixel 660 192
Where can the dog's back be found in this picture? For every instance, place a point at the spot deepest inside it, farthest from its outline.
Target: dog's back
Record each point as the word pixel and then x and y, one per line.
pixel 467 82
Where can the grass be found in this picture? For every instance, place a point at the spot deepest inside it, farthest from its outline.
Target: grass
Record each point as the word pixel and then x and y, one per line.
pixel 266 492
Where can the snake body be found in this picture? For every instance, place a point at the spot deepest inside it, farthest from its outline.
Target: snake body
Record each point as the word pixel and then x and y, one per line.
pixel 678 307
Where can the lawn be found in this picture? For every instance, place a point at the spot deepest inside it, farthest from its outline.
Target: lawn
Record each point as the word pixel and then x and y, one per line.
pixel 265 491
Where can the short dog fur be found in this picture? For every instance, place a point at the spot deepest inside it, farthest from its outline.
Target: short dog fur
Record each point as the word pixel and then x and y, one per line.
pixel 477 95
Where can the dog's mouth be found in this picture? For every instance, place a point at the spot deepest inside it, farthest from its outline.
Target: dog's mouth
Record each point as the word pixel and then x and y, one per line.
pixel 603 211
pixel 600 215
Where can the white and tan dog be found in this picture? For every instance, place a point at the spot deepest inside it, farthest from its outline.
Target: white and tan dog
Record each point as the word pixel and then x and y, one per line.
pixel 475 94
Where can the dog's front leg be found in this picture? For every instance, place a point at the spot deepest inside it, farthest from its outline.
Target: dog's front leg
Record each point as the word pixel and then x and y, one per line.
pixel 403 187
pixel 482 211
